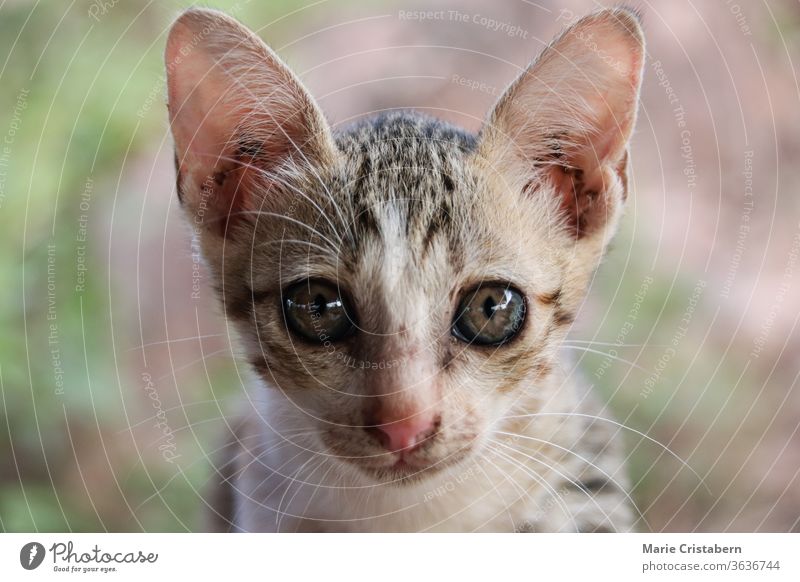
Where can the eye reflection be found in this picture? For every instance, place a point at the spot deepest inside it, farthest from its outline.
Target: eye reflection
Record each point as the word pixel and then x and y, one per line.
pixel 316 312
pixel 489 315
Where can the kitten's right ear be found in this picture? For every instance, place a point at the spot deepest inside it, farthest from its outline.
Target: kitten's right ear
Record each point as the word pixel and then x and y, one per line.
pixel 240 118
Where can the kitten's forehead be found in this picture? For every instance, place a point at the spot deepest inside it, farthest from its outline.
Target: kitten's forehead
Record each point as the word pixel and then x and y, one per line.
pixel 407 187
pixel 413 210
pixel 421 222
pixel 405 173
pixel 403 137
pixel 410 167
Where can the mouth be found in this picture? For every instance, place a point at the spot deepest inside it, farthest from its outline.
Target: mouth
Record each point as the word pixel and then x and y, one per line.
pixel 395 468
pixel 406 470
pixel 401 471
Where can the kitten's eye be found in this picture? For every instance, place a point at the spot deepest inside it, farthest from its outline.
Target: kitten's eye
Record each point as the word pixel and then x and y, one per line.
pixel 316 311
pixel 489 315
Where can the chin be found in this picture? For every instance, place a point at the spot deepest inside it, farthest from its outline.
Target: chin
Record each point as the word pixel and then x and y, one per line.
pixel 401 474
pixel 409 472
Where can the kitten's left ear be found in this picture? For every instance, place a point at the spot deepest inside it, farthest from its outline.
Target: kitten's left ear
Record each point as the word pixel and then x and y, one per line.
pixel 563 126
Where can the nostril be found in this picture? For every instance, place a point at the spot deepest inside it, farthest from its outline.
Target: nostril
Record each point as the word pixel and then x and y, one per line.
pixel 404 435
pixel 379 435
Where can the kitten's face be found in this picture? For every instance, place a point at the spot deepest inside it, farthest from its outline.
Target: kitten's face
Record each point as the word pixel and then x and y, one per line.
pixel 403 285
pixel 449 296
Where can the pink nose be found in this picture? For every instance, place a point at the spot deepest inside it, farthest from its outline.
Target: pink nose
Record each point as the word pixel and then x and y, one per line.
pixel 406 434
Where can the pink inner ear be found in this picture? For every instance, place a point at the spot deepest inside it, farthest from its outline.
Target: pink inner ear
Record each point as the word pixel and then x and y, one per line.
pixel 586 202
pixel 571 115
pixel 237 113
pixel 199 123
pixel 223 79
pixel 202 130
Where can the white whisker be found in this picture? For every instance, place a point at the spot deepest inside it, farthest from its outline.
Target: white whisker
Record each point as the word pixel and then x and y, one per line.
pixel 620 425
pixel 310 228
pixel 276 177
pixel 583 459
pixel 560 474
pixel 608 355
pixel 539 479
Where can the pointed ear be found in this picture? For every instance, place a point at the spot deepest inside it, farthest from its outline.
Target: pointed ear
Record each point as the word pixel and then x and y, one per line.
pixel 562 128
pixel 239 118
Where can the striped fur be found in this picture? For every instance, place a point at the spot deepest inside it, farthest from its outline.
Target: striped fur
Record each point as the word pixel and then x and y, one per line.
pixel 406 213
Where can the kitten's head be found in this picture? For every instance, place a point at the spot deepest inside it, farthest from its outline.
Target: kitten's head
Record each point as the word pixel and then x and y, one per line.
pixel 402 283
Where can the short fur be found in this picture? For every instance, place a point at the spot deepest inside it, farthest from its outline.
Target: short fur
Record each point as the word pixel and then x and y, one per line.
pixel 406 213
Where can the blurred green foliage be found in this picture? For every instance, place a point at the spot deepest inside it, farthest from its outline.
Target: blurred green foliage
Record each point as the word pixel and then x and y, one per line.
pixel 75 77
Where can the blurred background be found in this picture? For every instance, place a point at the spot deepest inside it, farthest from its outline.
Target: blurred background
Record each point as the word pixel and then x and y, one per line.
pixel 115 365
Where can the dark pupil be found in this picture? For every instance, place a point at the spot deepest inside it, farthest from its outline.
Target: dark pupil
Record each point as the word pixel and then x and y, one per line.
pixel 316 312
pixel 489 316
pixel 318 305
pixel 488 307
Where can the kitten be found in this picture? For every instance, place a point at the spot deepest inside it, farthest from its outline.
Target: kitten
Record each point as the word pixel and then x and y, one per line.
pixel 401 288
